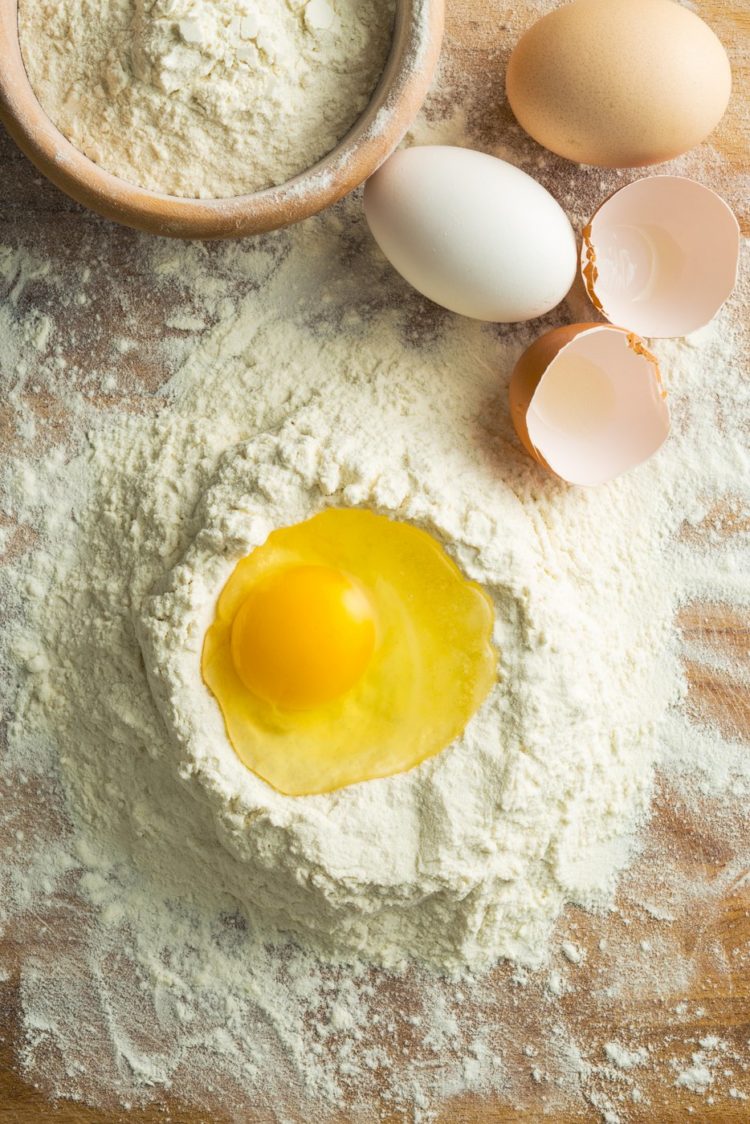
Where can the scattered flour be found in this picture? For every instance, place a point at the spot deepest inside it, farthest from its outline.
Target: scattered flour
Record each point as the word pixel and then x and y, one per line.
pixel 478 849
pixel 131 887
pixel 696 1078
pixel 572 952
pixel 624 1058
pixel 205 98
pixel 271 416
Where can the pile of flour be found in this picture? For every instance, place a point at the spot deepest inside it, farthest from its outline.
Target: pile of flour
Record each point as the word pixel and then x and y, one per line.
pixel 205 98
pixel 477 849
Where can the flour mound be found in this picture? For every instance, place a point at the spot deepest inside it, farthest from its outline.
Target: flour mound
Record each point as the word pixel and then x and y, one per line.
pixel 470 855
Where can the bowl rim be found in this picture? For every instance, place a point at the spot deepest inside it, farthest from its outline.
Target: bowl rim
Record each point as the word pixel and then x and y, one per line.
pixel 395 102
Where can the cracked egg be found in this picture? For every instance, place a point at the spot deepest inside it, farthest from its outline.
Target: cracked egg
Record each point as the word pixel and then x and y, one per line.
pixel 661 255
pixel 345 648
pixel 587 402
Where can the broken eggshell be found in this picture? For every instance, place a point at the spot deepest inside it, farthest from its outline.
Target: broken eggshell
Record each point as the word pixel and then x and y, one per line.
pixel 661 255
pixel 587 402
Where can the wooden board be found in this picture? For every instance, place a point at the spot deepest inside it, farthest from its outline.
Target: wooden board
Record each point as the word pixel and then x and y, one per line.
pixel 713 931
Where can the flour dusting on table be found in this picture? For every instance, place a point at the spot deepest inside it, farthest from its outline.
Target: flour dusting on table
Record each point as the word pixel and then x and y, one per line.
pixel 144 913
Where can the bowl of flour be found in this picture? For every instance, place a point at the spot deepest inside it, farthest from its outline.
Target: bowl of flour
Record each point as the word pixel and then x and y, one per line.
pixel 213 118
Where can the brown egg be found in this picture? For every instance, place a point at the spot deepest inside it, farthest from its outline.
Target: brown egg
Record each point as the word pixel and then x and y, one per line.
pixel 619 83
pixel 587 402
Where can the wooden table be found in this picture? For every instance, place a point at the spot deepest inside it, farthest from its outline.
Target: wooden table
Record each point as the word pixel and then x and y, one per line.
pixel 713 930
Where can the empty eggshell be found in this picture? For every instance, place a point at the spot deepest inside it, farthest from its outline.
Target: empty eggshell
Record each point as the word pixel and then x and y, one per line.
pixel 471 232
pixel 587 402
pixel 661 255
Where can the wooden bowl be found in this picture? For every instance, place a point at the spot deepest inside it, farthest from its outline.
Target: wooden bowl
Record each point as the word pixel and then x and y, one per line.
pixel 395 103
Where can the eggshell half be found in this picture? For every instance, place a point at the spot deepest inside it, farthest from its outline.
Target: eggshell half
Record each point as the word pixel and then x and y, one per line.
pixel 619 83
pixel 587 402
pixel 472 233
pixel 661 255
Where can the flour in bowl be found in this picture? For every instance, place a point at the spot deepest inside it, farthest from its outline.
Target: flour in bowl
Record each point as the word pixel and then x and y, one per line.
pixel 205 98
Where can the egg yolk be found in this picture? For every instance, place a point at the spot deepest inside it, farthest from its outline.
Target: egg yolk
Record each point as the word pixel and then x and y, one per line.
pixel 303 637
pixel 346 648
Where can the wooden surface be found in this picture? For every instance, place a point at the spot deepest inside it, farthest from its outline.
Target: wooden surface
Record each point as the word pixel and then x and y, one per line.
pixel 712 933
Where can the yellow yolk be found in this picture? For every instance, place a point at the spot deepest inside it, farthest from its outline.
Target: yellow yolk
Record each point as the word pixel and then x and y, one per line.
pixel 345 648
pixel 303 637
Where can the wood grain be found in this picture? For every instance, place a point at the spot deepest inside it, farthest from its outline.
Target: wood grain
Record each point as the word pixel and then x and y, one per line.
pixel 713 932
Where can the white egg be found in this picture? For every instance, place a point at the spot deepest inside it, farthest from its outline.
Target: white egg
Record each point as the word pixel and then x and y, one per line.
pixel 472 233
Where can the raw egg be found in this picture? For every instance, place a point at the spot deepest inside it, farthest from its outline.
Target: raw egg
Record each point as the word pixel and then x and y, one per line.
pixel 276 636
pixel 587 402
pixel 474 234
pixel 619 83
pixel 661 255
pixel 346 648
